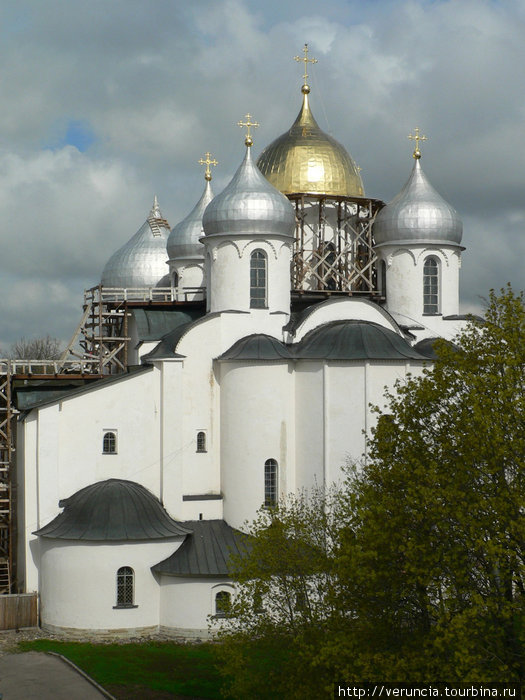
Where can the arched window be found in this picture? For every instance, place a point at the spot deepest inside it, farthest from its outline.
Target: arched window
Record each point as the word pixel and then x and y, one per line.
pixel 383 278
pixel 431 286
pixel 258 280
pixel 270 483
pixel 222 603
pixel 174 280
pixel 201 441
pixel 109 442
pixel 125 586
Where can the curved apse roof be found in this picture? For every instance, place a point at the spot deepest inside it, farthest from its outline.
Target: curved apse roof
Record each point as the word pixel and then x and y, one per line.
pixel 258 347
pixel 355 340
pixel 112 510
pixel 337 340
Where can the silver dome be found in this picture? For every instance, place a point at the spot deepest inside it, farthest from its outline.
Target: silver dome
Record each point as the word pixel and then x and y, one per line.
pixel 249 204
pixel 141 262
pixel 183 241
pixel 418 214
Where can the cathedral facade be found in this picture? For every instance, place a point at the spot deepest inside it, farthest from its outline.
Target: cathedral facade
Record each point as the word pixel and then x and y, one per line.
pixel 293 301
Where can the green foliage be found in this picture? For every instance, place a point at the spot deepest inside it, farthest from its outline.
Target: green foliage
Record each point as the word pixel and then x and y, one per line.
pixel 284 599
pixel 445 483
pixel 415 570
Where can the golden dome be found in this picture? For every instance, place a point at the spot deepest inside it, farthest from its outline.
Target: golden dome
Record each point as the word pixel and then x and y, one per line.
pixel 306 160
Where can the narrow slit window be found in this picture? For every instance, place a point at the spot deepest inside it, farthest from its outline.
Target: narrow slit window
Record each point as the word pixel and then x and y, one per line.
pixel 270 483
pixel 125 587
pixel 201 441
pixel 431 286
pixel 258 273
pixel 109 442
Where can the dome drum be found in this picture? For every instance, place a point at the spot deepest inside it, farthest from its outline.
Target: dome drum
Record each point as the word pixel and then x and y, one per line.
pixel 333 248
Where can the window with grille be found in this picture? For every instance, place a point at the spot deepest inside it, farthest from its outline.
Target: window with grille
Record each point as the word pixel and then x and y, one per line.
pixel 431 286
pixel 201 441
pixel 109 442
pixel 270 483
pixel 258 280
pixel 125 586
pixel 222 603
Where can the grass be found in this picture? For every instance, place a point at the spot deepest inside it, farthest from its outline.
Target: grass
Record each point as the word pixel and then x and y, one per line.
pixel 147 670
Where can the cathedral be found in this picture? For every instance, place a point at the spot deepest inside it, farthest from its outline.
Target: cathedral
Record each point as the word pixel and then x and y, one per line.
pixel 236 359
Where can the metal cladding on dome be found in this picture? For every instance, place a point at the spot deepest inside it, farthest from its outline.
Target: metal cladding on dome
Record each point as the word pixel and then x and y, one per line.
pixel 306 160
pixel 249 204
pixel 183 241
pixel 141 262
pixel 418 214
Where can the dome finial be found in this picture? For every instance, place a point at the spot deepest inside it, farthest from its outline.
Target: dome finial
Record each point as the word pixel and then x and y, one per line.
pixel 248 123
pixel 209 161
pixel 306 88
pixel 417 138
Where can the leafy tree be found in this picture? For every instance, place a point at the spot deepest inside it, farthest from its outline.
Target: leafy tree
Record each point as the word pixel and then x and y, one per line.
pixel 283 600
pixel 415 570
pixel 434 550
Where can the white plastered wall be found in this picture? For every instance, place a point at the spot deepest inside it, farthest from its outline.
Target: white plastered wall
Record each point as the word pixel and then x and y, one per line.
pixel 78 584
pixel 63 449
pixel 404 286
pixel 186 604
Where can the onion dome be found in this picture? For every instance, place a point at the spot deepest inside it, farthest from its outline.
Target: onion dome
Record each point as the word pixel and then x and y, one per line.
pixel 418 214
pixel 115 509
pixel 249 205
pixel 141 262
pixel 306 160
pixel 183 241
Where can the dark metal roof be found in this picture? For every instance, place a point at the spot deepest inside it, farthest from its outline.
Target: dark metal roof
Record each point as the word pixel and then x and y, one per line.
pixel 153 324
pixel 354 340
pixel 112 510
pixel 426 348
pixel 337 340
pixel 168 344
pixel 257 347
pixel 206 552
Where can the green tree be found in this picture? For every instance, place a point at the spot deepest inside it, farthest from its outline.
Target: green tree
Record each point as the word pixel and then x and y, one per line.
pixel 284 600
pixel 414 571
pixel 432 560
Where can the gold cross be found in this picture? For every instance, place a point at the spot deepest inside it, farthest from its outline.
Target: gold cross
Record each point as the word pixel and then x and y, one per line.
pixel 248 124
pixel 417 138
pixel 209 161
pixel 306 61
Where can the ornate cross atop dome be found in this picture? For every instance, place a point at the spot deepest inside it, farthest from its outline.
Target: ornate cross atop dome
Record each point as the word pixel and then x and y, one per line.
pixel 248 124
pixel 417 138
pixel 209 161
pixel 306 61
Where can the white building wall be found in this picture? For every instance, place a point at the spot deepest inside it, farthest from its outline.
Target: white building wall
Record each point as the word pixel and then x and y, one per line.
pixel 256 425
pixel 63 448
pixel 229 273
pixel 186 604
pixel 404 285
pixel 78 584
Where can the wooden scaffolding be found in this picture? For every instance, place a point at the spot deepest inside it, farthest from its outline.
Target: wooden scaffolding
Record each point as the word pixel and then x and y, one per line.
pixel 333 251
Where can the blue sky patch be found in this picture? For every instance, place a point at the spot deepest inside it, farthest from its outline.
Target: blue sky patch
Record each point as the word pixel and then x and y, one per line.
pixel 78 134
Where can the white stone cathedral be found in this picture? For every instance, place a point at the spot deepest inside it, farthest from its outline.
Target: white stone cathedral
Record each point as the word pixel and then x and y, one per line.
pixel 295 300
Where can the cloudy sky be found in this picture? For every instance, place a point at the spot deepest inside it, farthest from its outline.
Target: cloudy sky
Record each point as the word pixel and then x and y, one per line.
pixel 108 102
